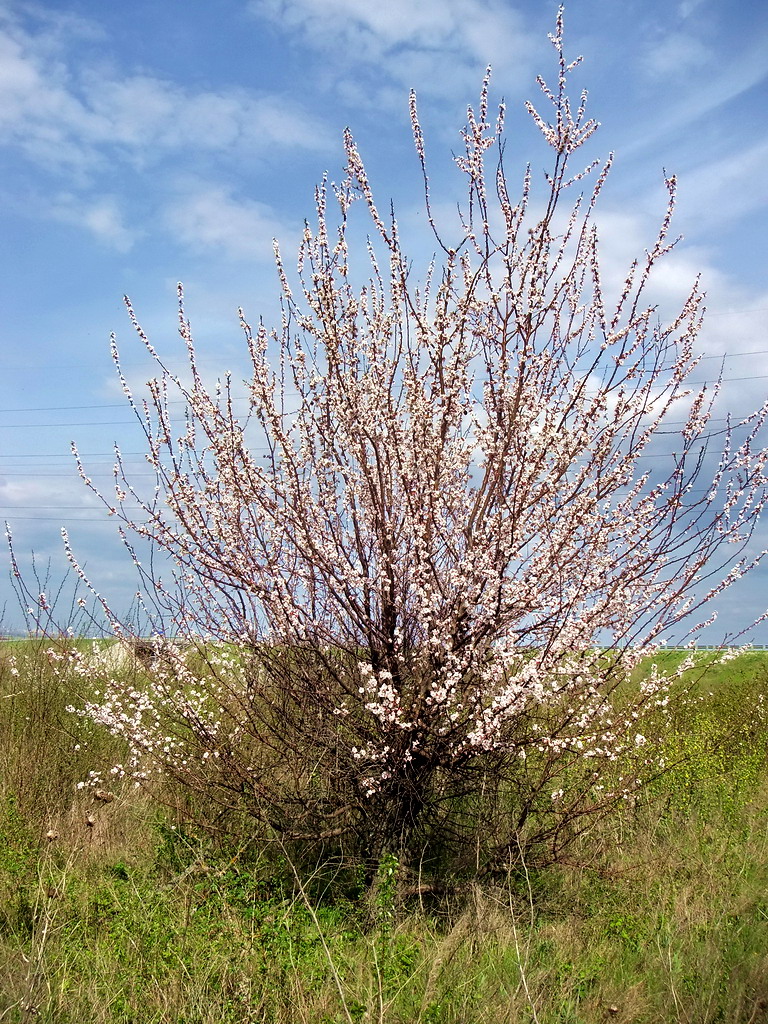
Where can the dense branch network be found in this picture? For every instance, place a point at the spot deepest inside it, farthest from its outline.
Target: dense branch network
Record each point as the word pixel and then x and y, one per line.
pixel 450 552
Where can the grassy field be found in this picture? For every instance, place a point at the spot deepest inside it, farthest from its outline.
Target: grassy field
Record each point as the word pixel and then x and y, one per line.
pixel 116 911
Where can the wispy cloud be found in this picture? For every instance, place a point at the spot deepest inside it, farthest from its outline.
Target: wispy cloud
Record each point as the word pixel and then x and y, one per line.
pixel 152 116
pixel 695 82
pixel 101 216
pixel 105 143
pixel 436 45
pixel 211 217
pixel 61 113
pixel 688 7
pixel 676 55
pixel 717 192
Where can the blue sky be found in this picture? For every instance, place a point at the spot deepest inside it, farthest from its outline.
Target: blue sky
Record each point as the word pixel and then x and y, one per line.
pixel 145 143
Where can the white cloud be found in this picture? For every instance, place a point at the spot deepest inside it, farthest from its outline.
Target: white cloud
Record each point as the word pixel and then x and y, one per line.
pixel 33 493
pixel 85 125
pixel 36 111
pixel 153 116
pixel 704 83
pixel 689 7
pixel 61 114
pixel 734 330
pixel 210 217
pixel 717 192
pixel 437 46
pixel 677 55
pixel 101 216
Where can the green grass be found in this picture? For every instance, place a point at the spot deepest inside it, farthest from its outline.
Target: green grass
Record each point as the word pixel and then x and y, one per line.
pixel 660 914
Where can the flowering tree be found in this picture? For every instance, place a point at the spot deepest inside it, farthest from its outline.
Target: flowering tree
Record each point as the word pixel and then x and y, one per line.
pixel 428 597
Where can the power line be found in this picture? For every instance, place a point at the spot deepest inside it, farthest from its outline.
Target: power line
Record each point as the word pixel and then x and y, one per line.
pixel 724 356
pixel 114 405
pixel 82 423
pixel 135 474
pixel 736 312
pixel 68 455
pixel 130 423
pixel 104 520
pixel 69 508
pixel 73 408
